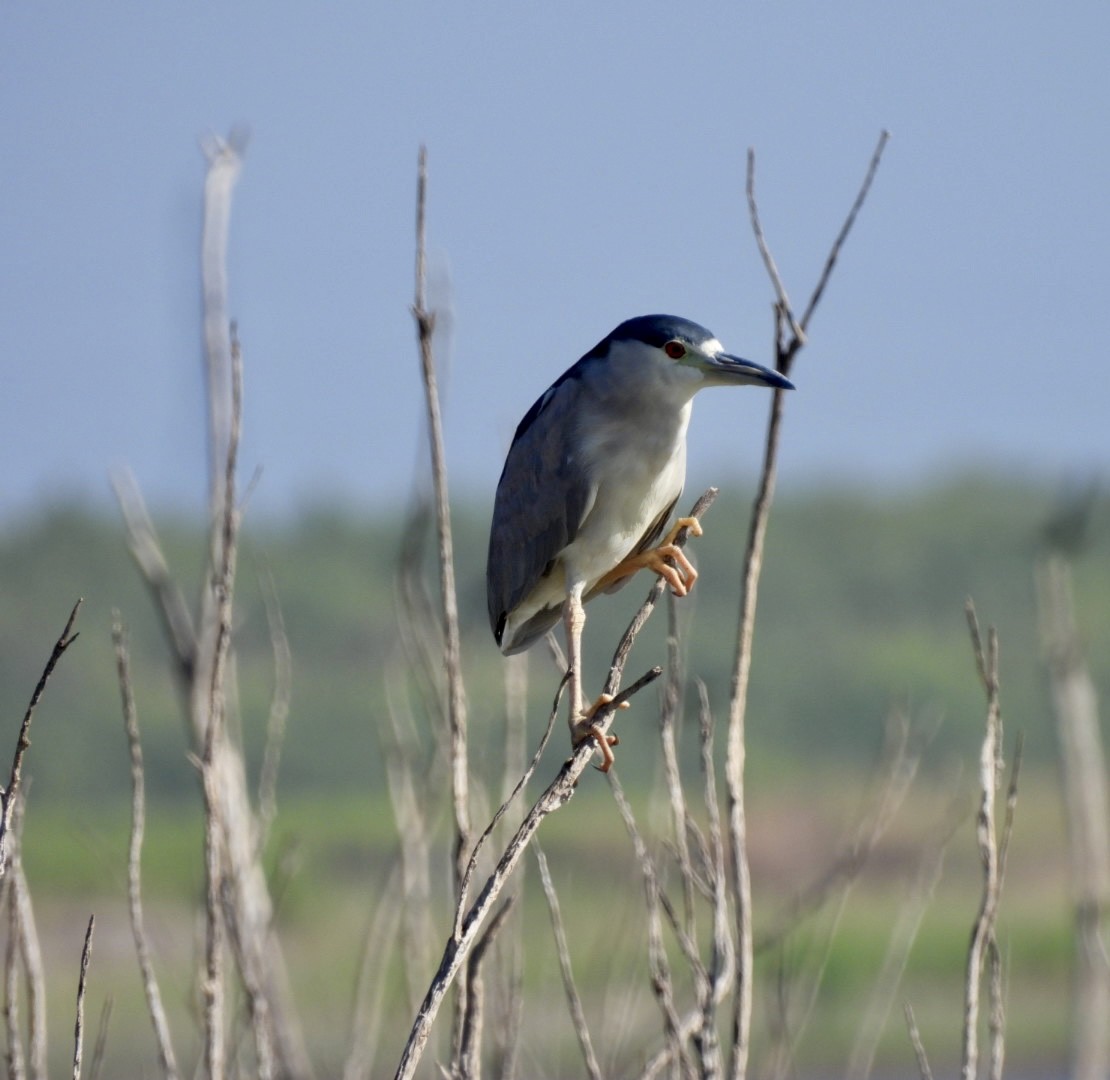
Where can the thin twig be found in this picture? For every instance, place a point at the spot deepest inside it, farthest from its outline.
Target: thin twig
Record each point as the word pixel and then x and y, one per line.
pixel 735 752
pixel 680 815
pixel 23 947
pixel 79 1024
pixel 923 1069
pixel 846 228
pixel 722 956
pixel 990 760
pixel 212 989
pixel 31 954
pixel 225 161
pixel 456 698
pixel 10 795
pixel 146 550
pixel 562 950
pixel 225 537
pixel 15 1070
pixel 996 1018
pixel 134 855
pixel 782 301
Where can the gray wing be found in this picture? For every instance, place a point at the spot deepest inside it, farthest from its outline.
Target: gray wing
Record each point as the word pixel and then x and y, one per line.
pixel 542 498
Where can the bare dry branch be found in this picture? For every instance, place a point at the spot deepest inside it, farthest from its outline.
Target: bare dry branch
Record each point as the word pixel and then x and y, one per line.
pixel 225 546
pixel 996 1021
pixel 10 795
pixel 722 956
pixel 225 161
pixel 79 1023
pixel 753 562
pixel 783 307
pixel 456 698
pixel 1084 787
pixel 15 1059
pixel 680 815
pixel 990 763
pixel 23 948
pixel 31 956
pixel 146 550
pixel 469 1060
pixel 845 229
pixel 199 642
pixel 212 990
pixel 166 1056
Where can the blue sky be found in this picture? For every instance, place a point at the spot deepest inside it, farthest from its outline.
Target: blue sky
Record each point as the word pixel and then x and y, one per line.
pixel 586 165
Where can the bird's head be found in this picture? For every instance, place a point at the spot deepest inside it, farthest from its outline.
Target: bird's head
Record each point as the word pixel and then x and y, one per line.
pixel 668 342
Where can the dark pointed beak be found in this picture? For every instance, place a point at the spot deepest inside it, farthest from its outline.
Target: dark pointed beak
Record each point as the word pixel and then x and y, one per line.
pixel 728 370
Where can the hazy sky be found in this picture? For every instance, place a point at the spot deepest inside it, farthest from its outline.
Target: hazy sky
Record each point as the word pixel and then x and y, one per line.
pixel 587 164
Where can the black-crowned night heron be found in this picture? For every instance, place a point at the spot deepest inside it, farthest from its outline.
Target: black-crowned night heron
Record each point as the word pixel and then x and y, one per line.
pixel 591 479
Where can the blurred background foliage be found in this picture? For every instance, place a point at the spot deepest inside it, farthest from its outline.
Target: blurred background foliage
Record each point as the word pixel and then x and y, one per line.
pixel 861 616
pixel 861 612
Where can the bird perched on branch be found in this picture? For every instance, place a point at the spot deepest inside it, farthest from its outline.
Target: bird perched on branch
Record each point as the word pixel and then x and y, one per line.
pixel 591 479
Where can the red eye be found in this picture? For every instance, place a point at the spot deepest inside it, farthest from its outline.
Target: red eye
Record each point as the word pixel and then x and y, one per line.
pixel 675 350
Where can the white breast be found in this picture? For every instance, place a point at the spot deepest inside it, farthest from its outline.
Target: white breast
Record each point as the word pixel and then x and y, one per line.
pixel 642 467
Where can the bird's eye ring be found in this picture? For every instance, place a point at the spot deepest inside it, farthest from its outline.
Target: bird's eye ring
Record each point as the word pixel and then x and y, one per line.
pixel 675 350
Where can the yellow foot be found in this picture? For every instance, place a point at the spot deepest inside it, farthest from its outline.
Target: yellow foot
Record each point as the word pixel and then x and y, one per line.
pixel 690 523
pixel 586 729
pixel 680 577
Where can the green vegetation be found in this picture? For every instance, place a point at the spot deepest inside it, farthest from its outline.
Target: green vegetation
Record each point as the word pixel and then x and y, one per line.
pixel 861 612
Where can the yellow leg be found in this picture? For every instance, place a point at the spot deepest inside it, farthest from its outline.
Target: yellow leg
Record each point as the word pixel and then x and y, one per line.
pixel 574 619
pixel 586 729
pixel 680 577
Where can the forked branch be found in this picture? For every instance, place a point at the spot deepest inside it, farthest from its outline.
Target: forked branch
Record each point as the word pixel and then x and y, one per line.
pixel 786 348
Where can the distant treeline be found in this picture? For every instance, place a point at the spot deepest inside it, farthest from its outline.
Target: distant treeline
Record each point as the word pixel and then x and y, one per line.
pixel 860 613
